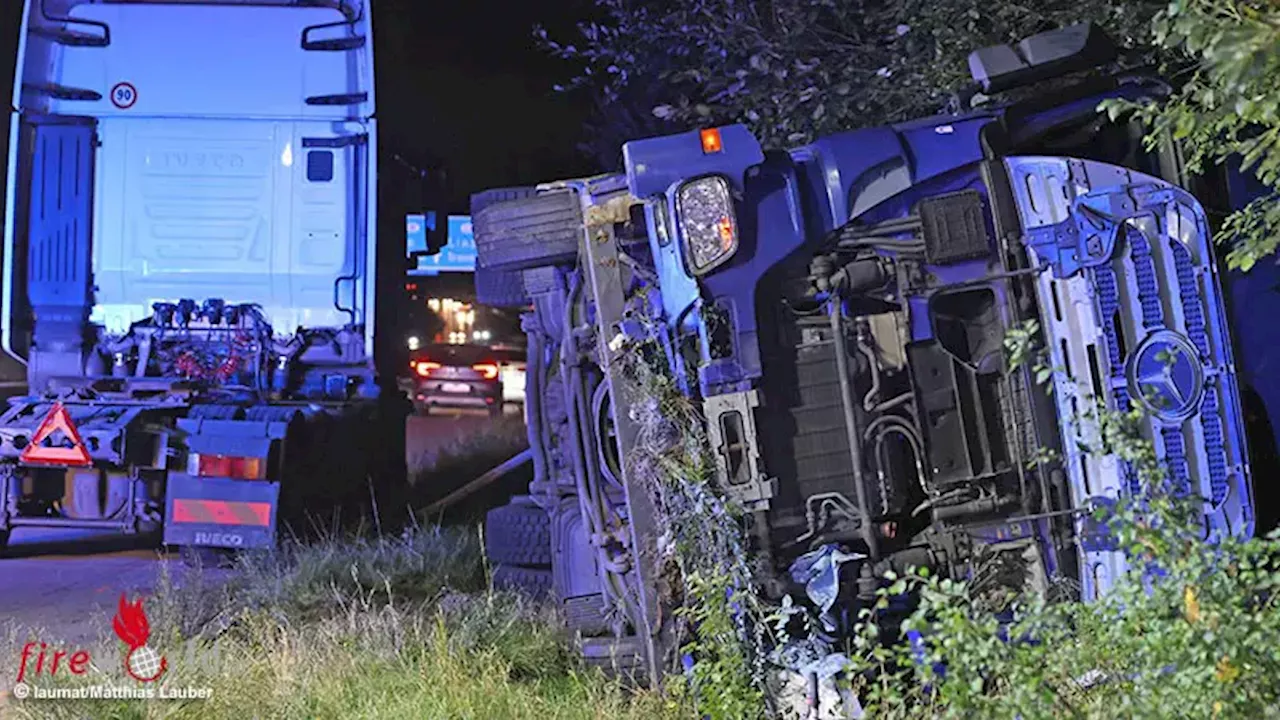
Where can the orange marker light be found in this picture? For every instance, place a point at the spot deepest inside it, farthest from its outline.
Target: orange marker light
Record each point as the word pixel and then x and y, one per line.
pixel 711 141
pixel 725 227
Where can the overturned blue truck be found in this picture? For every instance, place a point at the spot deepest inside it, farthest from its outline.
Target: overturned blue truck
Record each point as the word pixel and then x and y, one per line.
pixel 838 312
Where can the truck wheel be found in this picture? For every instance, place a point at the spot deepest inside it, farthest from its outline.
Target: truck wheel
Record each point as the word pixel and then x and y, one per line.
pixel 528 232
pixel 533 581
pixel 518 534
pixel 485 198
pixel 500 288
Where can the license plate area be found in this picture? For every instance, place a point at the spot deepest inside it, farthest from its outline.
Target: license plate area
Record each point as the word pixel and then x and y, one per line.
pixel 453 387
pixel 220 512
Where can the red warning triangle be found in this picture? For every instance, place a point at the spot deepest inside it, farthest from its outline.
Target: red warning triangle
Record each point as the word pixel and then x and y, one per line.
pixel 37 454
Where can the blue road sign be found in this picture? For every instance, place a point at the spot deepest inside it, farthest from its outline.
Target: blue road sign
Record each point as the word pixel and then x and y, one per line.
pixel 458 254
pixel 415 234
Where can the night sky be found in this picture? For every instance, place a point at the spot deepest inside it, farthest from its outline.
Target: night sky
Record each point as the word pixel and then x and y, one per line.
pixel 462 81
pixel 465 82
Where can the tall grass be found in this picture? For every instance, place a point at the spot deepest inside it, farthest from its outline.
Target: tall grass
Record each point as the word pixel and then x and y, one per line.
pixel 359 626
pixel 368 628
pixel 435 474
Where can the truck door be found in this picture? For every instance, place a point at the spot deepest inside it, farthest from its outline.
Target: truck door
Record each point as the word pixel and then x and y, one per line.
pixel 53 244
pixel 333 207
pixel 1131 302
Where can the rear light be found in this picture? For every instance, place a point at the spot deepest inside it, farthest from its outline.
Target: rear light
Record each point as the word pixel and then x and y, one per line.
pixel 226 466
pixel 488 370
pixel 425 368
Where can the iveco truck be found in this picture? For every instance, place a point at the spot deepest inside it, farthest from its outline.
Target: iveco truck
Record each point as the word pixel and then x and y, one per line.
pixel 838 312
pixel 191 277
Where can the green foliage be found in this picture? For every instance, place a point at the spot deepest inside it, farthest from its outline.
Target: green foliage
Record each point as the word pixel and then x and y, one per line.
pixel 1228 52
pixel 718 677
pixel 705 550
pixel 796 69
pixel 1195 642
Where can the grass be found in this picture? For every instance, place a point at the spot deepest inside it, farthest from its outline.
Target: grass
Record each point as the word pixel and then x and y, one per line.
pixel 359 626
pixel 501 439
pixel 368 628
pixel 435 474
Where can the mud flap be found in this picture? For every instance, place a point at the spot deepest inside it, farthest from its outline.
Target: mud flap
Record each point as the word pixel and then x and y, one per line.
pixel 220 512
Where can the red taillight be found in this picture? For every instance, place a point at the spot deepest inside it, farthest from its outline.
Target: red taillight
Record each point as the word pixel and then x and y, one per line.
pixel 425 368
pixel 488 370
pixel 226 466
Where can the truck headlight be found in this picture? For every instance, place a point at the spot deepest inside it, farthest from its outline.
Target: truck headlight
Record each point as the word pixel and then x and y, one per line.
pixel 707 223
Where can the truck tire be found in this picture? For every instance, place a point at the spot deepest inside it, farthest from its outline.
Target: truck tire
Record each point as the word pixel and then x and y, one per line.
pixel 531 581
pixel 4 540
pixel 500 288
pixel 484 199
pixel 518 534
pixel 528 232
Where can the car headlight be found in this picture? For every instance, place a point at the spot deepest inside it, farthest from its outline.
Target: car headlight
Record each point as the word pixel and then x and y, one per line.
pixel 707 222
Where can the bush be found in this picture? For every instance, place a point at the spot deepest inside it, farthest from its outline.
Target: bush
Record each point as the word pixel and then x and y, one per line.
pixel 1188 631
pixel 1197 642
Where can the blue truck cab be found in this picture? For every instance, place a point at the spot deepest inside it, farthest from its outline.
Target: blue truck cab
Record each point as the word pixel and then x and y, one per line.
pixel 863 285
pixel 839 311
pixel 190 275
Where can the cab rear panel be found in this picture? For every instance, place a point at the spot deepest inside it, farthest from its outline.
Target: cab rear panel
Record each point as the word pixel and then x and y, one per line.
pixel 189 262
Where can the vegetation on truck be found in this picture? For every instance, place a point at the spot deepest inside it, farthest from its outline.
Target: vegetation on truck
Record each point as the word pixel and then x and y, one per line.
pixel 796 70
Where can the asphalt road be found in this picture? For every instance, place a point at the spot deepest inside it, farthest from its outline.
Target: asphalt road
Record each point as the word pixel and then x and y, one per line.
pixel 64 584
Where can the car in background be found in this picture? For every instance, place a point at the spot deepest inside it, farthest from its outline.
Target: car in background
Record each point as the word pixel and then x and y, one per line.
pixel 511 371
pixel 455 376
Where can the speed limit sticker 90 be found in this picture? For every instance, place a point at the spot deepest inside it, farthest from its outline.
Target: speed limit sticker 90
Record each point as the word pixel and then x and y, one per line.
pixel 124 95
